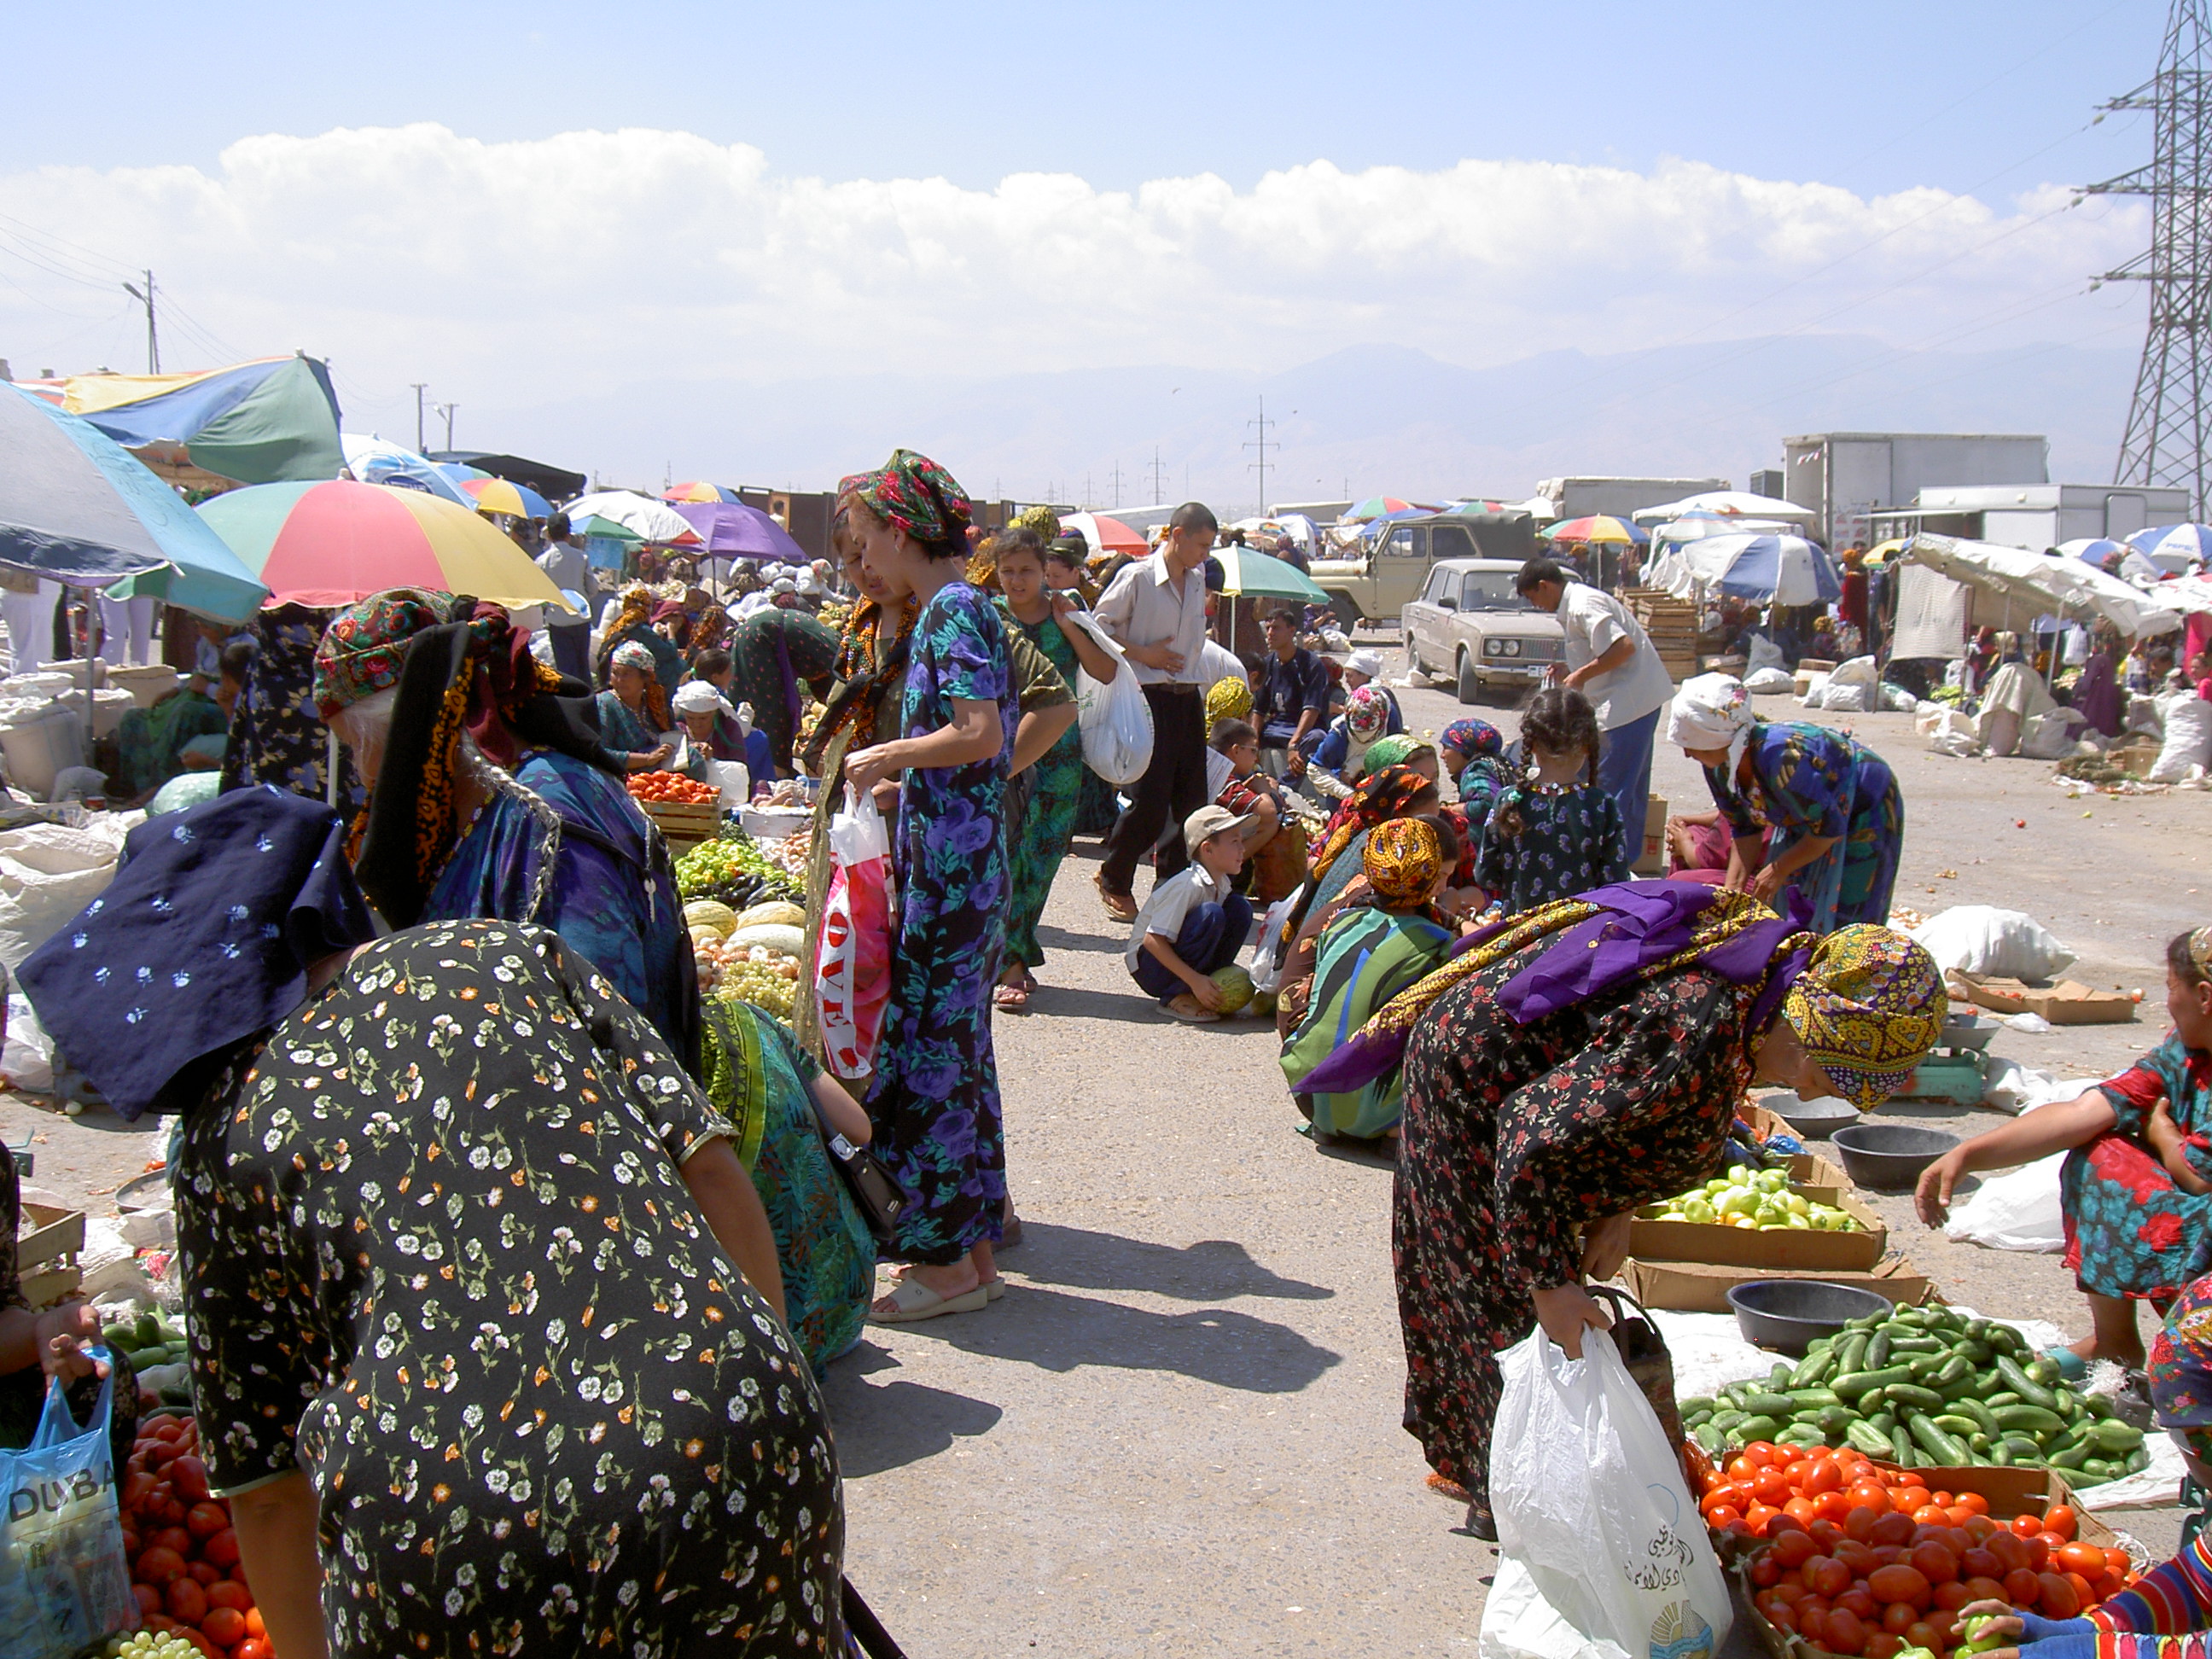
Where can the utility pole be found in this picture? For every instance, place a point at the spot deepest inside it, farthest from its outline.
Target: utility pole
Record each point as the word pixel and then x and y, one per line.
pixel 153 339
pixel 446 409
pixel 2169 430
pixel 1087 497
pixel 1159 477
pixel 1117 486
pixel 1263 444
pixel 420 387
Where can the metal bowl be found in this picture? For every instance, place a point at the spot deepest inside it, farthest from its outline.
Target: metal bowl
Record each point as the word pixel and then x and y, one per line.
pixel 1789 1315
pixel 1888 1157
pixel 1812 1119
pixel 1968 1031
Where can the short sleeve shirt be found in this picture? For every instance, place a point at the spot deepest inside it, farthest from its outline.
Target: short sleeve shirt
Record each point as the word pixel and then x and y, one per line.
pixel 1594 622
pixel 1170 905
pixel 1287 690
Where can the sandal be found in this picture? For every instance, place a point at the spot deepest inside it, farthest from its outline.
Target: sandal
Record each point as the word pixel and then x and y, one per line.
pixel 1010 995
pixel 912 1301
pixel 1445 1487
pixel 1122 907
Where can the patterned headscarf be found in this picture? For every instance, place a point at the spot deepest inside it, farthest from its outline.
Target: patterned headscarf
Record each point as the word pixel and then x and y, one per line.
pixel 637 606
pixel 2200 952
pixel 630 654
pixel 1712 711
pixel 911 492
pixel 1228 699
pixel 1473 739
pixel 1397 750
pixel 1366 712
pixel 362 650
pixel 1869 1009
pixel 1402 859
pixel 2181 1368
pixel 1043 520
pixel 1383 796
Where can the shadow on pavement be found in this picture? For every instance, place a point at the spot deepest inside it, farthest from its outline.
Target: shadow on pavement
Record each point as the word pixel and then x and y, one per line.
pixel 1212 1270
pixel 1036 1327
pixel 1059 939
pixel 887 1427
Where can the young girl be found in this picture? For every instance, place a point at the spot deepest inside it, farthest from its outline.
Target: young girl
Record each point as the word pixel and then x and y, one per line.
pixel 1554 833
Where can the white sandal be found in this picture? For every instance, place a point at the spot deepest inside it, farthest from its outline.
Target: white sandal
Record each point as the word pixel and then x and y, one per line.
pixel 912 1301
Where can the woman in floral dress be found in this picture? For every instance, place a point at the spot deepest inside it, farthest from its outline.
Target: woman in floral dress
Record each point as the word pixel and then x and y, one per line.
pixel 934 1096
pixel 1833 807
pixel 487 1344
pixel 2136 1189
pixel 275 736
pixel 1543 1107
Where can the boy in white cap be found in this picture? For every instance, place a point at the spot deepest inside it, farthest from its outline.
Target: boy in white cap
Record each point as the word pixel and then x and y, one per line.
pixel 1194 922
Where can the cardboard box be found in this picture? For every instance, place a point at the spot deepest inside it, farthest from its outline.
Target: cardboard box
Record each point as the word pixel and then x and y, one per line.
pixel 2066 1003
pixel 1806 1168
pixel 1702 1286
pixel 1654 860
pixel 52 1235
pixel 1773 1247
pixel 2134 756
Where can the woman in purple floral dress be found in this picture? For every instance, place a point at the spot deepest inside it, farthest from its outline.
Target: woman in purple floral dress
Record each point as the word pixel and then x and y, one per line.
pixel 935 1097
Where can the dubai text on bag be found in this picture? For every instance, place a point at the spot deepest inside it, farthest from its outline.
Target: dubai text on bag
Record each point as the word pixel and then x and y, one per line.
pixel 64 1582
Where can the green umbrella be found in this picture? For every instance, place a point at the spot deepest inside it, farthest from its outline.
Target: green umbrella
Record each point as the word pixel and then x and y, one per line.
pixel 1254 575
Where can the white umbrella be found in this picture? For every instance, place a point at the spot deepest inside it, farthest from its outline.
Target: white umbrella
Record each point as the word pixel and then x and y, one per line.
pixel 642 516
pixel 374 460
pixel 2015 575
pixel 2175 548
pixel 1696 526
pixel 1731 503
pixel 1784 569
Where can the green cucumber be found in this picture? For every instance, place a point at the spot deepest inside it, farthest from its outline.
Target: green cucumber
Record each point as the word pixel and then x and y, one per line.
pixel 2002 1397
pixel 1907 1393
pixel 2073 1457
pixel 1817 1368
pixel 2023 1449
pixel 1983 1420
pixel 1804 1397
pixel 2001 1453
pixel 2113 1436
pixel 2025 1386
pixel 2136 1460
pixel 1884 1423
pixel 1754 1428
pixel 1900 1446
pixel 1977 1354
pixel 1770 1405
pixel 1957 1368
pixel 2035 1419
pixel 1958 1428
pixel 1877 1353
pixel 1710 1438
pixel 1725 1421
pixel 1874 1400
pixel 1946 1452
pixel 1851 1351
pixel 1694 1404
pixel 1857 1383
pixel 1865 1438
pixel 1918 1345
pixel 1836 1421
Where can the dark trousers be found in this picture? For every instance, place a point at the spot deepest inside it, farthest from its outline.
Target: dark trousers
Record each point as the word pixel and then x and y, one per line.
pixel 1172 788
pixel 1211 936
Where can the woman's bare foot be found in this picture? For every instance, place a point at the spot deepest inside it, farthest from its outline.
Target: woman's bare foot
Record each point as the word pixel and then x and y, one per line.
pixel 2114 1333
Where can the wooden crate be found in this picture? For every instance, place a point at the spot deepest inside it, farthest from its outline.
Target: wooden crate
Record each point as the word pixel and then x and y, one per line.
pixel 46 1253
pixel 685 824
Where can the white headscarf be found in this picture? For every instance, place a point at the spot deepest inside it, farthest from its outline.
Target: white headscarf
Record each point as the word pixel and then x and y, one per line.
pixel 1712 711
pixel 696 697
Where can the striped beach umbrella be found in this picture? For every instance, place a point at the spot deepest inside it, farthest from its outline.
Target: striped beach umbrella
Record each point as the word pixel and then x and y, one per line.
pixel 498 495
pixel 1597 527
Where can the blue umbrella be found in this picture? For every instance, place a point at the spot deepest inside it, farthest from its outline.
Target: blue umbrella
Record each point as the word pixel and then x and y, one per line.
pixel 1787 569
pixel 2180 542
pixel 76 507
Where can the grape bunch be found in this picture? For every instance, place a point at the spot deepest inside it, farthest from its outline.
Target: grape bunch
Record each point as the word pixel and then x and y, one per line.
pixel 151 1645
pixel 736 871
pixel 762 978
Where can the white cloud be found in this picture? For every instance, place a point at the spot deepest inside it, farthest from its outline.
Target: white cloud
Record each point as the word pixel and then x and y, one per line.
pixel 605 262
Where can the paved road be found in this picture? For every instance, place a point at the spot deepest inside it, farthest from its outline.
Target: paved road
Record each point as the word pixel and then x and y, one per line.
pixel 1178 1432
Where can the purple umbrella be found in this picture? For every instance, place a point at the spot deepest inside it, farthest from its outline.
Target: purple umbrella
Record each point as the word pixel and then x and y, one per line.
pixel 731 530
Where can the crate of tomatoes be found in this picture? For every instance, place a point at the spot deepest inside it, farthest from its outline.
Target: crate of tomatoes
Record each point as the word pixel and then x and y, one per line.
pixel 177 1537
pixel 687 811
pixel 1839 1555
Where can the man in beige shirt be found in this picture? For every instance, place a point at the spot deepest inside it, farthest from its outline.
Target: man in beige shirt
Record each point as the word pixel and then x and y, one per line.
pixel 1155 609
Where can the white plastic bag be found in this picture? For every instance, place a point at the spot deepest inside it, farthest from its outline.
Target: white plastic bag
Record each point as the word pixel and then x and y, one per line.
pixel 64 1581
pixel 1759 652
pixel 49 872
pixel 1266 956
pixel 2051 736
pixel 1765 681
pixel 1896 700
pixel 1950 732
pixel 1856 670
pixel 1846 699
pixel 2188 737
pixel 2017 1212
pixel 1982 940
pixel 1590 1504
pixel 1115 720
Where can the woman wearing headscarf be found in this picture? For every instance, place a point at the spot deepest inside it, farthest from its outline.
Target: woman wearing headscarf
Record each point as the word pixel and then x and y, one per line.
pixel 715 732
pixel 634 712
pixel 2136 1189
pixel 1370 951
pixel 1835 814
pixel 934 1094
pixel 492 796
pixel 2097 693
pixel 1340 753
pixel 1473 752
pixel 632 623
pixel 449 1215
pixel 275 737
pixel 1574 1062
pixel 773 653
pixel 2013 695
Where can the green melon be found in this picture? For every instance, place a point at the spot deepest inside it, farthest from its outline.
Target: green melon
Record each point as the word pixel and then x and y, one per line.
pixel 1234 986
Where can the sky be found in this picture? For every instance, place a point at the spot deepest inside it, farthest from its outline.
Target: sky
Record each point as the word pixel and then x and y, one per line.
pixel 550 214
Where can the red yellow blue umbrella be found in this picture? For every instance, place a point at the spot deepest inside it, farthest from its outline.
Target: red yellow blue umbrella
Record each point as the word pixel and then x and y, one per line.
pixel 1598 527
pixel 329 543
pixel 498 495
pixel 697 492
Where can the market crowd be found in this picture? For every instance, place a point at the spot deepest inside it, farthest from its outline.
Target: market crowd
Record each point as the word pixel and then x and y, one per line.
pixel 465 1159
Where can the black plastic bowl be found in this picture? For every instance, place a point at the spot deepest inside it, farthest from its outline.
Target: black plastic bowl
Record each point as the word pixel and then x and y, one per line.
pixel 1789 1315
pixel 1888 1157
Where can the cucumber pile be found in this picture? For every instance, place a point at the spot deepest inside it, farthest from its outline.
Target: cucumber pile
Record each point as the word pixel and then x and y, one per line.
pixel 1925 1387
pixel 151 1339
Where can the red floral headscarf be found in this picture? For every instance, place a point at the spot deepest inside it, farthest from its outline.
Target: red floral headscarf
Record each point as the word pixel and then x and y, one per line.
pixel 911 492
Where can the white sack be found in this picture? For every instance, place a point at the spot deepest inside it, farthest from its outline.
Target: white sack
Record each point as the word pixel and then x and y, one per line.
pixel 2188 737
pixel 1984 941
pixel 2016 1212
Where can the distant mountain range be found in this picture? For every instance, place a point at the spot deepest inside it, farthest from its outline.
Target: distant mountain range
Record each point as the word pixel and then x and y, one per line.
pixel 1362 420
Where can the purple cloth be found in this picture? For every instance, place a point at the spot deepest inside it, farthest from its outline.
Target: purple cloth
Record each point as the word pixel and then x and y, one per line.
pixel 2097 695
pixel 1639 925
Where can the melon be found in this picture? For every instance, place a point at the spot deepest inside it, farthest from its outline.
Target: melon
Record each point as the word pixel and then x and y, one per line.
pixel 1234 986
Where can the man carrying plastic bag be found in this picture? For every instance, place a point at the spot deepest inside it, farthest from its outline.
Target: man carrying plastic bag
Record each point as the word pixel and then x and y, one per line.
pixel 1601 1555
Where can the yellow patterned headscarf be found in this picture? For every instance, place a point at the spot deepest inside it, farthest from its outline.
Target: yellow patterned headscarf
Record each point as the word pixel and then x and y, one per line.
pixel 1402 859
pixel 1869 1008
pixel 1228 699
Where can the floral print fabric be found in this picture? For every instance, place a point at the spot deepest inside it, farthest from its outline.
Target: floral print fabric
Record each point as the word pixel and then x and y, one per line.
pixel 276 736
pixel 2130 1230
pixel 442 1259
pixel 935 1097
pixel 1047 824
pixel 1799 780
pixel 1515 1135
pixel 1569 842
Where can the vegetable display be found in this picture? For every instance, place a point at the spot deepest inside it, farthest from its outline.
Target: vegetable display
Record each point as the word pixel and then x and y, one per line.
pixel 735 872
pixel 156 1349
pixel 1745 1198
pixel 1867 1563
pixel 184 1563
pixel 1925 1387
pixel 672 787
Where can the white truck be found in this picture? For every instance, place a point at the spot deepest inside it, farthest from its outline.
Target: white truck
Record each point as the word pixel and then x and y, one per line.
pixel 1577 498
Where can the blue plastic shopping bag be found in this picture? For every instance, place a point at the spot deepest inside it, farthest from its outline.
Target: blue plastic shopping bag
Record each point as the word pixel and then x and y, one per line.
pixel 64 1582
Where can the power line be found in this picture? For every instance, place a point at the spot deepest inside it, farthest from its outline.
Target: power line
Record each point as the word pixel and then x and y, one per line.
pixel 1263 444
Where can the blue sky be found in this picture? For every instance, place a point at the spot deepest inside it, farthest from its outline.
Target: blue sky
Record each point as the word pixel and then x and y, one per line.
pixel 551 212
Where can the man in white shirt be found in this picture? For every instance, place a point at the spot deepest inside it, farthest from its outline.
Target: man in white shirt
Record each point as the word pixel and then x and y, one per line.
pixel 1610 661
pixel 563 559
pixel 1155 610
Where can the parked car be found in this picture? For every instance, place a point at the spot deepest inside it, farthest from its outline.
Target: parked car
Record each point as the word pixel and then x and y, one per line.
pixel 1376 581
pixel 1469 625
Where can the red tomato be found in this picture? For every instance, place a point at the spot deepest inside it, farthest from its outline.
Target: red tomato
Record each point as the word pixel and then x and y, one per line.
pixel 1899 1617
pixel 254 1625
pixel 1758 1516
pixel 202 1574
pixel 1985 1589
pixel 1811 1623
pixel 149 1599
pixel 172 1538
pixel 1783 1618
pixel 1894 1529
pixel 1880 1644
pixel 1791 1589
pixel 1910 1478
pixel 2118 1561
pixel 159 1566
pixel 1742 1468
pixel 1831 1578
pixel 1869 1495
pixel 138 1486
pixel 1770 1486
pixel 1765 1454
pixel 2023 1589
pixel 1941 1500
pixel 1766 1571
pixel 1922 1634
pixel 1934 1563
pixel 205 1520
pixel 2010 1550
pixel 1832 1507
pixel 1721 1519
pixel 221 1549
pixel 1889 1555
pixel 1951 1597
pixel 1930 1514
pixel 2061 1521
pixel 1859 1600
pixel 1828 1535
pixel 224 1593
pixel 189 1476
pixel 1793 1549
pixel 1978 1563
pixel 1859 1523
pixel 1823 1475
pixel 2039 1552
pixel 1900 1585
pixel 1801 1509
pixel 2059 1598
pixel 2026 1526
pixel 2084 1559
pixel 1845 1634
pixel 224 1626
pixel 1980 1527
pixel 1973 1502
pixel 187 1602
pixel 252 1648
pixel 1859 1558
